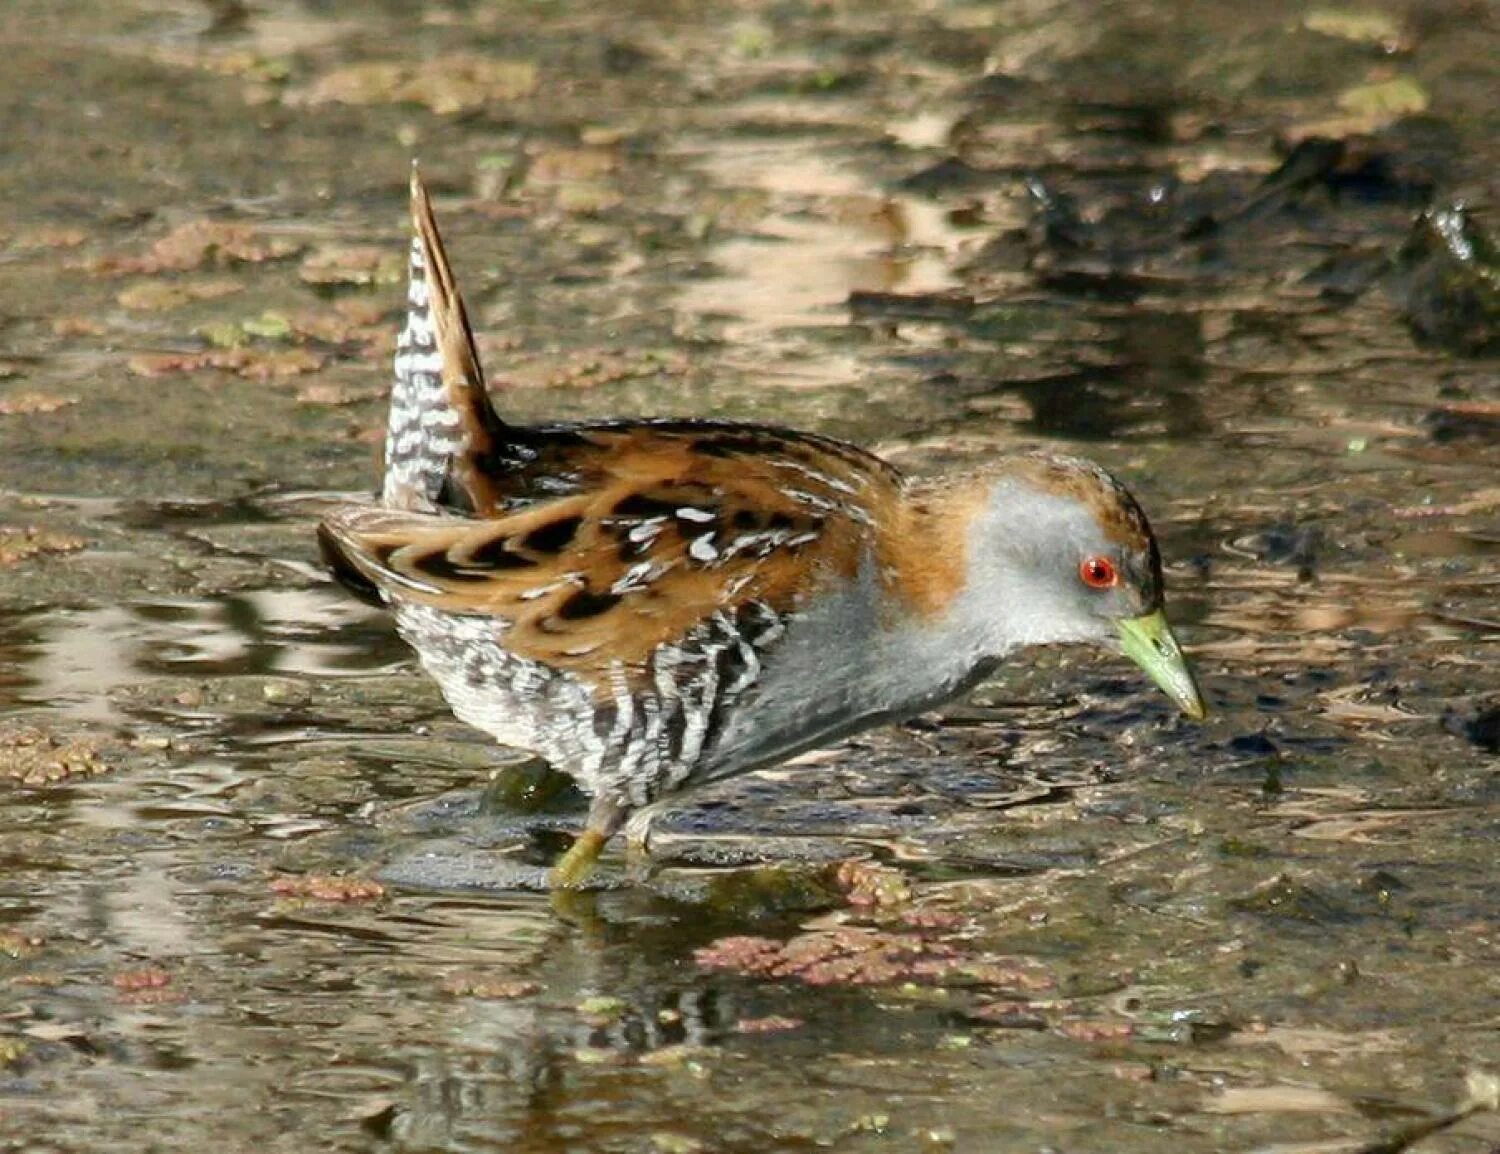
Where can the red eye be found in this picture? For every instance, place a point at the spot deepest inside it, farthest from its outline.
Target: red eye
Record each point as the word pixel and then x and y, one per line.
pixel 1098 573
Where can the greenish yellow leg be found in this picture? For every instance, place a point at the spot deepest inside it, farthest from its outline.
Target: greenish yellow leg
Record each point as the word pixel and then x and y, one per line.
pixel 574 867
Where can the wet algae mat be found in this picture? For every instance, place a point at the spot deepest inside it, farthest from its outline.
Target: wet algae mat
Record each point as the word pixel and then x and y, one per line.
pixel 261 891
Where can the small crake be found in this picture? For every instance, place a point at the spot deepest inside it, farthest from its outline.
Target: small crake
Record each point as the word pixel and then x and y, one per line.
pixel 654 604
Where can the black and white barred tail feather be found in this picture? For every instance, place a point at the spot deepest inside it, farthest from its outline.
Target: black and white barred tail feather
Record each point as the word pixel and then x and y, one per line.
pixel 441 422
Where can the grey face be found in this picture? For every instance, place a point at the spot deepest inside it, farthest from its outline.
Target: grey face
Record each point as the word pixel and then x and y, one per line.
pixel 1047 568
pixel 1116 580
pixel 1053 573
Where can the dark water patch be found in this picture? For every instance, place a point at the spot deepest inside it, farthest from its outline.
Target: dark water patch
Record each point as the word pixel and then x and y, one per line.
pixel 1446 277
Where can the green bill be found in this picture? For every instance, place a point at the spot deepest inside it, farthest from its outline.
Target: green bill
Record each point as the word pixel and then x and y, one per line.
pixel 1148 641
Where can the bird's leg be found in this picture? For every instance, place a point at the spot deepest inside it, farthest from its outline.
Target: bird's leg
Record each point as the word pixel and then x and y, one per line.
pixel 638 865
pixel 638 830
pixel 574 867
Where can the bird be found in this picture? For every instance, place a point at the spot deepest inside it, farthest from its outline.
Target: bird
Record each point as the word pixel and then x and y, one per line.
pixel 654 604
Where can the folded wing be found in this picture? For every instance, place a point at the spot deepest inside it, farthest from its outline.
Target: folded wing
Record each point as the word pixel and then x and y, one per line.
pixel 660 536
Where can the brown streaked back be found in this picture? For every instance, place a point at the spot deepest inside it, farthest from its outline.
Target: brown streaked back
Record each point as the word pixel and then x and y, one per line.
pixel 646 531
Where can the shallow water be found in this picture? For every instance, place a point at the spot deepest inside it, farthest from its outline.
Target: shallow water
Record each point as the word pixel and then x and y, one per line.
pixel 258 886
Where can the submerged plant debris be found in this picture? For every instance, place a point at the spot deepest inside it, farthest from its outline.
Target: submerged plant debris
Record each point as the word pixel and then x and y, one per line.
pixel 32 757
pixel 258 881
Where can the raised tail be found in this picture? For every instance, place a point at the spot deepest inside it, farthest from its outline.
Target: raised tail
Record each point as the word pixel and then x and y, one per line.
pixel 442 427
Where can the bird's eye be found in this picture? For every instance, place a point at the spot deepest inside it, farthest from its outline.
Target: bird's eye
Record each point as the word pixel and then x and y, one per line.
pixel 1098 573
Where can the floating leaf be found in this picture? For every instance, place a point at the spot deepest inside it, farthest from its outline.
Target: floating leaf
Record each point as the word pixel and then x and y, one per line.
pixel 868 884
pixel 601 1006
pixel 262 366
pixel 254 364
pixel 1364 26
pixel 665 1142
pixel 327 888
pixel 1386 100
pixel 149 978
pixel 19 544
pixel 460 82
pixel 52 237
pixel 223 334
pixel 19 404
pixel 569 165
pixel 16 944
pixel 202 242
pixel 331 395
pixel 471 986
pixel 269 326
pixel 345 326
pixel 33 757
pixel 148 986
pixel 67 326
pixel 580 180
pixel 353 265
pixel 160 295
